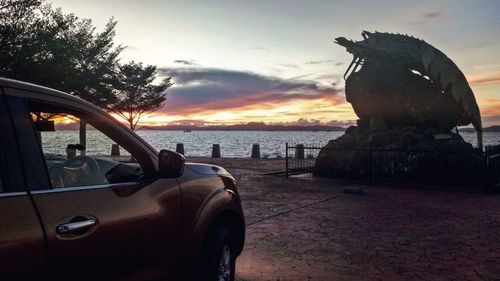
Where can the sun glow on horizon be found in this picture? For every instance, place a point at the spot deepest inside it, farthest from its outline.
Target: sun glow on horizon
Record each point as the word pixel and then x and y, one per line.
pixel 323 110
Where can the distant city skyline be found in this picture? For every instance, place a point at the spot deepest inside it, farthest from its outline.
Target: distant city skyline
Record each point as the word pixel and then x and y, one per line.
pixel 275 61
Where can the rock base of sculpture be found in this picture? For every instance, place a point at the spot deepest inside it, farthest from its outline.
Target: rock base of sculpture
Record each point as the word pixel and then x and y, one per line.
pixel 405 153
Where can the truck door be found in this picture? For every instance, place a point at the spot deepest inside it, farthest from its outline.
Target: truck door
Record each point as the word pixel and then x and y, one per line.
pixel 105 216
pixel 22 248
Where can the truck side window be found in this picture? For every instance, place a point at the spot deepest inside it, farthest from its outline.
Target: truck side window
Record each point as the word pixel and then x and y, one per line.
pixel 77 156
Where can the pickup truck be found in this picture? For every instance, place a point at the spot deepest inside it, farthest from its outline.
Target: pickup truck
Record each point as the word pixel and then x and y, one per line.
pixel 72 211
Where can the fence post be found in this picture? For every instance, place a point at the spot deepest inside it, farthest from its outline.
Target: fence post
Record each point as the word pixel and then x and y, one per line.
pixel 299 151
pixel 115 150
pixel 216 151
pixel 179 148
pixel 255 150
pixel 83 136
pixel 485 172
pixel 286 160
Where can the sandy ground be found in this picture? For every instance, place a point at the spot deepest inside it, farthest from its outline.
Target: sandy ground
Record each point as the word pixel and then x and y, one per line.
pixel 304 229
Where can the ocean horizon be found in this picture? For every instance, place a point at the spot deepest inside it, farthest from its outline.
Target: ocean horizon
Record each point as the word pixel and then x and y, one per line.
pixel 232 143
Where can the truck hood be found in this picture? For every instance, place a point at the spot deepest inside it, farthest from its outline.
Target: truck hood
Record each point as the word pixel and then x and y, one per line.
pixel 206 169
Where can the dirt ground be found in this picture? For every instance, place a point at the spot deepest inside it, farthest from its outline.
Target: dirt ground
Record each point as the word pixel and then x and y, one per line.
pixel 305 229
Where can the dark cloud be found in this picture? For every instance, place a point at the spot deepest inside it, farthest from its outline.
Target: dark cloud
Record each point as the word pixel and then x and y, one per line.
pixel 300 77
pixel 317 61
pixel 289 65
pixel 433 15
pixel 426 17
pixel 335 77
pixel 260 49
pixel 186 62
pixel 199 89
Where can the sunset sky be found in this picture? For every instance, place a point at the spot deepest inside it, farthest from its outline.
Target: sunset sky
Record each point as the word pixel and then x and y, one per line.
pixel 275 61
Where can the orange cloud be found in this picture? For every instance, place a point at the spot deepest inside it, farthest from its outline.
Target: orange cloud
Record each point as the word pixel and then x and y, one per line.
pixel 228 96
pixel 478 79
pixel 490 107
pixel 279 111
pixel 256 101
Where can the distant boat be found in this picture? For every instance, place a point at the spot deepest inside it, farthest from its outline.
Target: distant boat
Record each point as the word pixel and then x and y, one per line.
pixel 187 131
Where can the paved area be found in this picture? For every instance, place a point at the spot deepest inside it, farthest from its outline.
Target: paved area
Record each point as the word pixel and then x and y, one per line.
pixel 300 229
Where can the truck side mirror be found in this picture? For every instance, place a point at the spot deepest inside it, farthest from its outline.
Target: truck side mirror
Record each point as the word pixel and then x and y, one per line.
pixel 170 164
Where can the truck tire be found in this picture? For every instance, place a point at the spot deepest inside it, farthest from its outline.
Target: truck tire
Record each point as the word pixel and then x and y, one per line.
pixel 218 256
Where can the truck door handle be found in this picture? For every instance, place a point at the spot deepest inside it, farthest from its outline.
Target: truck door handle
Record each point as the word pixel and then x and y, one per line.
pixel 75 227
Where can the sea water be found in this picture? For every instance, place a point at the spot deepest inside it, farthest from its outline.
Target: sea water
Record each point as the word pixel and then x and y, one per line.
pixel 232 143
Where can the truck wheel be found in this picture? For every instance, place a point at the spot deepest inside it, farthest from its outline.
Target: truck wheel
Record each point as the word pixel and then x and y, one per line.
pixel 218 258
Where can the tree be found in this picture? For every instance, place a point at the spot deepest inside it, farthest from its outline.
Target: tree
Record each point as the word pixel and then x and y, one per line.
pixel 136 93
pixel 42 45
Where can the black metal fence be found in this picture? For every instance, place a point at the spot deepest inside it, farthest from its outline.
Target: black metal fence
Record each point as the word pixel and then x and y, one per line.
pixel 300 158
pixel 413 166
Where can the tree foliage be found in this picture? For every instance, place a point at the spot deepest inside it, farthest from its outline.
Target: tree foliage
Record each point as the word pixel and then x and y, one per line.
pixel 42 45
pixel 137 94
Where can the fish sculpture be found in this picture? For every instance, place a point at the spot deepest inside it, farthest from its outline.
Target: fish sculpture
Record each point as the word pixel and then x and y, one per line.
pixel 415 56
